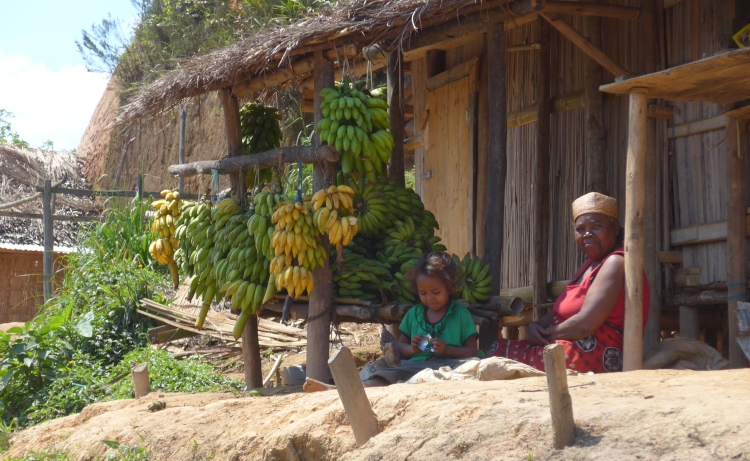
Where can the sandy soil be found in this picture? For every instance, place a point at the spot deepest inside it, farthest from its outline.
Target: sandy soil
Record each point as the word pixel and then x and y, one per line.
pixel 664 415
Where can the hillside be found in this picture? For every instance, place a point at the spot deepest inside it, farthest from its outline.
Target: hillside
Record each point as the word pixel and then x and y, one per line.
pixel 647 415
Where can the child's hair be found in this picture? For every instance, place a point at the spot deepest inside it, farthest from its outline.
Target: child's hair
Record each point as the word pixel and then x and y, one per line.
pixel 435 264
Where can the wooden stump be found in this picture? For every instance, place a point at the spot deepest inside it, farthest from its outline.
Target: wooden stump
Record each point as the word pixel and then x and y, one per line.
pixel 352 393
pixel 560 403
pixel 141 383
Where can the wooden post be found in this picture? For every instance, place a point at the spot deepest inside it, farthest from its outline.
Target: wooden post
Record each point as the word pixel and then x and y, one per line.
pixel 596 169
pixel 689 322
pixel 141 382
pixel 560 403
pixel 736 248
pixel 540 179
pixel 233 131
pixel 122 161
pixel 497 165
pixel 183 117
pixel 396 114
pixel 635 202
pixel 139 187
pixel 352 394
pixel 49 239
pixel 251 354
pixel 321 299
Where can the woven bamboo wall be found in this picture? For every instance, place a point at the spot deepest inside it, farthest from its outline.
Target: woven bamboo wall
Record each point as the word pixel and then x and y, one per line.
pixel 20 286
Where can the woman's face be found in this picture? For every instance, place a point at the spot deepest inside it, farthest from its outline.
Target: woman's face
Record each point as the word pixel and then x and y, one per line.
pixel 596 235
pixel 432 292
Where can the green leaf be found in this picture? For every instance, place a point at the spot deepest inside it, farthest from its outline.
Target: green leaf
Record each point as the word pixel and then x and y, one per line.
pixel 111 444
pixel 84 327
pixel 6 378
pixel 15 331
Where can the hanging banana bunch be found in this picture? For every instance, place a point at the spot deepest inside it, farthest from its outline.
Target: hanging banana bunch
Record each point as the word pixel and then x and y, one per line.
pixel 333 209
pixel 260 132
pixel 163 249
pixel 475 279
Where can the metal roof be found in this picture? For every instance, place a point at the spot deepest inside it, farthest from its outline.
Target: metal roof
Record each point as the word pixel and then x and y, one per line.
pixel 33 248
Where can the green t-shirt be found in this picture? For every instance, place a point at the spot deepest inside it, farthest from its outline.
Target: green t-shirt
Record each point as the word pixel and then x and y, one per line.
pixel 454 328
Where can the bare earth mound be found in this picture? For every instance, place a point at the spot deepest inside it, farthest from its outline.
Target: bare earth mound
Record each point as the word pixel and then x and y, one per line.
pixel 665 415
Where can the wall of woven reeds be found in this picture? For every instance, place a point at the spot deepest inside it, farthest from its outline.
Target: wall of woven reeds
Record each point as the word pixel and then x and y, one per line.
pixel 20 286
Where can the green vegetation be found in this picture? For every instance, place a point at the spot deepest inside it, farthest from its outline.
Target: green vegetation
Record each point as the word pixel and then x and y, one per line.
pixel 7 135
pixel 79 348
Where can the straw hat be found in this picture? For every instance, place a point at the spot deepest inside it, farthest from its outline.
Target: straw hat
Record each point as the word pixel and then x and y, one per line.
pixel 594 202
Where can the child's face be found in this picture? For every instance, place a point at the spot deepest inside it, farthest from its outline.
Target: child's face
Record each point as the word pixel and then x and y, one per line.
pixel 432 292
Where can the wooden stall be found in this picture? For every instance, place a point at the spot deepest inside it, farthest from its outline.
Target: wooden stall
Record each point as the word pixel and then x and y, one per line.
pixel 504 118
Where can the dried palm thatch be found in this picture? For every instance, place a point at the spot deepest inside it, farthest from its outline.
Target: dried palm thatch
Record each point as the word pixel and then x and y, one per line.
pixel 25 169
pixel 364 23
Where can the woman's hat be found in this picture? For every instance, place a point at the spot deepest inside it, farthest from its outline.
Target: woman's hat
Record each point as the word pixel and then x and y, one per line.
pixel 594 202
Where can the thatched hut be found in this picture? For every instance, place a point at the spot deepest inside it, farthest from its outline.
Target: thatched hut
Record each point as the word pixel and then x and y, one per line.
pixel 534 67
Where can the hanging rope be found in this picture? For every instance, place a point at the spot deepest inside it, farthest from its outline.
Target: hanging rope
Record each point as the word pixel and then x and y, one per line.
pixel 214 184
pixel 298 197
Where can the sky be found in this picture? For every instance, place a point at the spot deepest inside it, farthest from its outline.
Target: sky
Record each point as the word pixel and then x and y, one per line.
pixel 43 79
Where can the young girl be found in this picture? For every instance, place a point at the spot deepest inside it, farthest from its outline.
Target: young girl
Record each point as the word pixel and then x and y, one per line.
pixel 453 336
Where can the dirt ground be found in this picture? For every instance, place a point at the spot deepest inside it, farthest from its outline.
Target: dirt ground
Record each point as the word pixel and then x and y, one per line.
pixel 646 415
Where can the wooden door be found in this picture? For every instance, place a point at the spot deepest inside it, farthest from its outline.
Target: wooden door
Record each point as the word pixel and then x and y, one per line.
pixel 448 178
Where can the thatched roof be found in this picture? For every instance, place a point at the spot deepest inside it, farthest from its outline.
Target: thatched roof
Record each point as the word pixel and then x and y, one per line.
pixel 362 22
pixel 25 169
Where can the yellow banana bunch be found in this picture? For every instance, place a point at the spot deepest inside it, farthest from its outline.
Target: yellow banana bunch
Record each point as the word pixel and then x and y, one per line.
pixel 333 209
pixel 165 220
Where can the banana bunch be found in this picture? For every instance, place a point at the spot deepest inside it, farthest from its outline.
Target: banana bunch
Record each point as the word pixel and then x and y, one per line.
pixel 356 124
pixel 371 207
pixel 361 278
pixel 163 249
pixel 475 279
pixel 417 237
pixel 401 259
pixel 296 247
pixel 259 225
pixel 260 128
pixel 333 208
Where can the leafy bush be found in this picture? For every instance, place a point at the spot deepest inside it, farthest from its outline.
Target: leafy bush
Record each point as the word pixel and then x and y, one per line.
pixel 45 455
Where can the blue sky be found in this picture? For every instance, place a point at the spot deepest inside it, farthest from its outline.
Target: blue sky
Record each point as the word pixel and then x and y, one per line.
pixel 43 81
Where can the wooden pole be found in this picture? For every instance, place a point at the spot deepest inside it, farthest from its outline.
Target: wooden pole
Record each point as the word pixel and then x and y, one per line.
pixel 122 160
pixel 497 165
pixel 395 74
pixel 689 322
pixel 183 118
pixel 560 403
pixel 251 354
pixel 635 202
pixel 736 241
pixel 318 329
pixel 540 179
pixel 352 394
pixel 596 168
pixel 233 132
pixel 141 382
pixel 48 261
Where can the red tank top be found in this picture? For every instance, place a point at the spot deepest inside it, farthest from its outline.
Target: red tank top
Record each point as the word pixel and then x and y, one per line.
pixel 570 302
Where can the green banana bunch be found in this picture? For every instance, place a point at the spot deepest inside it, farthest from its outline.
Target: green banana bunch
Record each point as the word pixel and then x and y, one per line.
pixel 475 279
pixel 361 278
pixel 260 132
pixel 371 207
pixel 401 258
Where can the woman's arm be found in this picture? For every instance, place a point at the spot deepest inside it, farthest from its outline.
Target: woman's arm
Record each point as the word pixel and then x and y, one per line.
pixel 469 348
pixel 599 304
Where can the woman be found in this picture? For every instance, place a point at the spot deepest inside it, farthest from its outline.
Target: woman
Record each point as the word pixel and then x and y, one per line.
pixel 588 318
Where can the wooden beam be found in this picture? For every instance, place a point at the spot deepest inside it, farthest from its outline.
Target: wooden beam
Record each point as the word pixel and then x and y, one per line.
pixel 529 47
pixel 395 77
pixel 360 68
pixel 669 257
pixel 5 206
pixel 671 3
pixel 736 234
pixel 109 193
pixel 560 403
pixel 635 201
pixel 458 72
pixel 656 111
pixel 699 126
pixel 497 163
pixel 596 135
pixel 593 9
pixel 559 104
pixel 318 329
pixel 540 178
pixel 48 268
pixel 703 233
pixel 554 289
pixel 689 323
pixel 414 142
pixel 13 214
pixel 307 154
pixel 579 40
pixel 353 397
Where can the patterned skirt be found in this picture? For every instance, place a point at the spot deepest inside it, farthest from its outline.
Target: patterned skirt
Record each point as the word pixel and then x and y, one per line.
pixel 600 352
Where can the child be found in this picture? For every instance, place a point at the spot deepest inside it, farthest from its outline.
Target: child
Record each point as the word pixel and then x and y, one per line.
pixel 449 325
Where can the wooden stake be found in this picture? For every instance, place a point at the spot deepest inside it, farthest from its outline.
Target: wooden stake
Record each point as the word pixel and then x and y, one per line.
pixel 141 382
pixel 497 165
pixel 251 354
pixel 233 132
pixel 48 268
pixel 635 202
pixel 596 168
pixel 541 174
pixel 560 403
pixel 318 329
pixel 395 74
pixel 352 394
pixel 689 322
pixel 183 119
pixel 736 252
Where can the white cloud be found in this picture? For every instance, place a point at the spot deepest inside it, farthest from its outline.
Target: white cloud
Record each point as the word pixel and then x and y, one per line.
pixel 48 105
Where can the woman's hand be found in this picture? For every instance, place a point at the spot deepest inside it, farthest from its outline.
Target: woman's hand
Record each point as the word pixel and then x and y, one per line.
pixel 438 345
pixel 415 343
pixel 537 334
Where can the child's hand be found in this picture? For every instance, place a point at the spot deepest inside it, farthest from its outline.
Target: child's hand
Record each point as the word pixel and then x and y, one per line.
pixel 415 343
pixel 438 345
